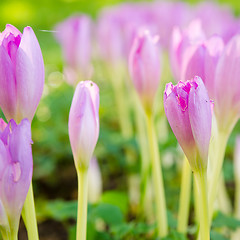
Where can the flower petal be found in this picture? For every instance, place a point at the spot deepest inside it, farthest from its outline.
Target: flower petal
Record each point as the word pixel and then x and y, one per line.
pixel 29 74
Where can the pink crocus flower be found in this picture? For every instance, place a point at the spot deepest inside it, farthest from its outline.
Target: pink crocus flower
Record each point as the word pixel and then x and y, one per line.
pixel 16 168
pixel 180 41
pixel 145 67
pixel 21 73
pixel 188 111
pixel 83 124
pixel 227 86
pixel 202 59
pixel 75 36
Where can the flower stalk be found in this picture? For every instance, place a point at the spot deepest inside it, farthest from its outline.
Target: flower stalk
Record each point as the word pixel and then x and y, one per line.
pixel 29 215
pixel 162 226
pixel 185 195
pixel 82 203
pixel 201 182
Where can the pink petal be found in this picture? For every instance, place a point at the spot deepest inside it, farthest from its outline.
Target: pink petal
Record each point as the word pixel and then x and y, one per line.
pixel 8 95
pixel 200 117
pixel 29 74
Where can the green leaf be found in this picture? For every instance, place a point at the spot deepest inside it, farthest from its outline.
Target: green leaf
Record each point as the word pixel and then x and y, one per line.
pixel 172 222
pixel 217 236
pixel 117 198
pixel 143 228
pixel 110 214
pixel 59 210
pixel 122 230
pixel 174 235
pixel 222 220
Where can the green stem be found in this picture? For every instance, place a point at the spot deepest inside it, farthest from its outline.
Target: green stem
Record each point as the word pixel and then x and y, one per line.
pixel 7 234
pixel 29 215
pixel 216 153
pixel 82 204
pixel 144 155
pixel 223 199
pixel 185 194
pixel 200 177
pixel 235 235
pixel 237 199
pixel 162 225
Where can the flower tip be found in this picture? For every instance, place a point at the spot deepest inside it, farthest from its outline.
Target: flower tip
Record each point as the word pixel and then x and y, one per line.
pixel 168 89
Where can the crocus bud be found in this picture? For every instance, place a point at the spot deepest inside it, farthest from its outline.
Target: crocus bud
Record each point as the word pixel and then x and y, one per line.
pixel 188 111
pixel 94 181
pixel 15 172
pixel 21 73
pixel 227 86
pixel 74 35
pixel 83 124
pixel 144 67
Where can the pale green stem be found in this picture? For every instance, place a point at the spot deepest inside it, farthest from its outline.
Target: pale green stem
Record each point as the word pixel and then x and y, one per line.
pixel 29 215
pixel 201 182
pixel 185 195
pixel 82 204
pixel 144 155
pixel 223 199
pixel 8 234
pixel 237 199
pixel 217 152
pixel 236 234
pixel 196 202
pixel 162 226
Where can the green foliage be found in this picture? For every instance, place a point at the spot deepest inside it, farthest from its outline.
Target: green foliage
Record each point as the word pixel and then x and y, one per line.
pixel 217 236
pixel 116 198
pixel 221 220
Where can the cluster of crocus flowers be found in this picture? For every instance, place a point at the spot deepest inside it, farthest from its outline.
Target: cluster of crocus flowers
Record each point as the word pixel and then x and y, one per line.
pixel 21 81
pixel 188 111
pixel 15 173
pixel 83 126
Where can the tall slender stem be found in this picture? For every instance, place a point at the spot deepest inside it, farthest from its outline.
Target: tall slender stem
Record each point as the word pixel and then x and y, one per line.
pixel 201 182
pixel 216 153
pixel 29 215
pixel 235 235
pixel 157 179
pixel 185 194
pixel 82 204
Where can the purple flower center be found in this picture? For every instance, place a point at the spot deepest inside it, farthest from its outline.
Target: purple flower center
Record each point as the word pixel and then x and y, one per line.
pixel 181 91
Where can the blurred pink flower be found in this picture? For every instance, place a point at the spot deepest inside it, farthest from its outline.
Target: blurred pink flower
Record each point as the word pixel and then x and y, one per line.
pixel 227 86
pixel 180 41
pixel 145 67
pixel 75 36
pixel 188 111
pixel 216 19
pixel 21 73
pixel 83 124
